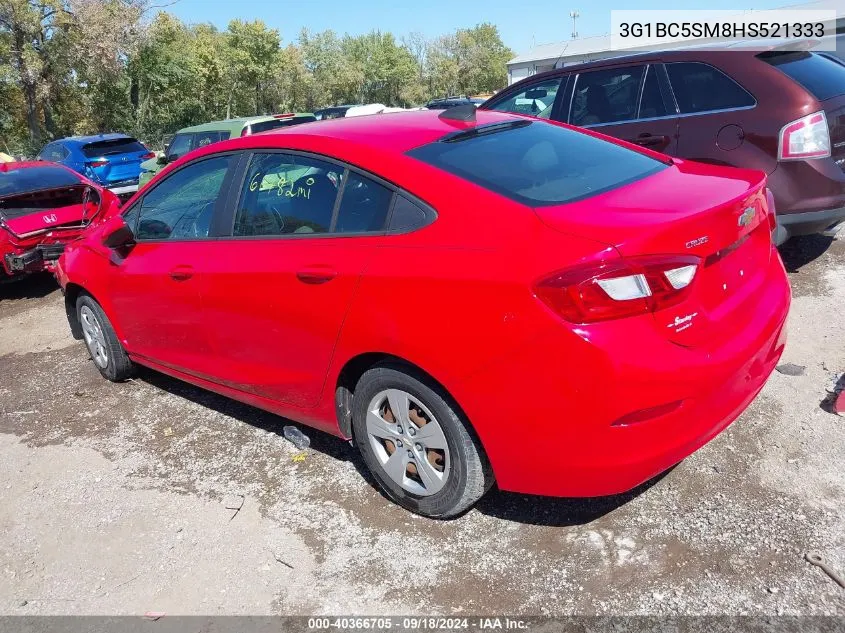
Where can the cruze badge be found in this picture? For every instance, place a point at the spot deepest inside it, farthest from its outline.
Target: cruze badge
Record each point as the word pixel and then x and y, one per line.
pixel 697 242
pixel 746 217
pixel 49 219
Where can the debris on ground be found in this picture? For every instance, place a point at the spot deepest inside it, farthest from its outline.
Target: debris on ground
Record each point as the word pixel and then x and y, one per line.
pixel 235 503
pixel 296 437
pixel 168 431
pixel 790 369
pixel 153 615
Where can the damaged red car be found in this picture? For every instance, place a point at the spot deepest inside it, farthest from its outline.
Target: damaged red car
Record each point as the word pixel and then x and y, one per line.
pixel 43 206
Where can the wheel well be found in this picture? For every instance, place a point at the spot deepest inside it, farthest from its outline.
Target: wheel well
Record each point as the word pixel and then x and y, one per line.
pixel 350 375
pixel 72 292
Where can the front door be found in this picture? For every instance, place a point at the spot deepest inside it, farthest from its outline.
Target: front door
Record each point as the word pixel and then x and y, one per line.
pixel 628 102
pixel 156 289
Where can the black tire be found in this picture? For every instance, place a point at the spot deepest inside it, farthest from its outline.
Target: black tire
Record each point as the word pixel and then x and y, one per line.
pixel 470 475
pixel 117 367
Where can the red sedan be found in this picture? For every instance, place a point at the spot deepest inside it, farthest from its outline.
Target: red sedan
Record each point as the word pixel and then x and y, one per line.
pixel 470 297
pixel 43 206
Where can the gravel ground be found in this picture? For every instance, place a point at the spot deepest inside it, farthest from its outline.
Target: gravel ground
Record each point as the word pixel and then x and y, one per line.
pixel 123 499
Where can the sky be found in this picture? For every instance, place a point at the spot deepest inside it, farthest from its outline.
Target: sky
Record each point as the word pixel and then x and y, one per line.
pixel 521 22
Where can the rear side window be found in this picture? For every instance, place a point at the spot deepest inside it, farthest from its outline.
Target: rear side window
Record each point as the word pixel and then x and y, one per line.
pixel 700 87
pixel 201 139
pixel 364 205
pixel 536 100
pixel 823 77
pixel 606 96
pixel 537 163
pixel 53 152
pixel 110 147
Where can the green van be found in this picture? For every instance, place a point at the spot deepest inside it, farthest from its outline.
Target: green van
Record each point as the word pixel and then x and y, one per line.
pixel 191 138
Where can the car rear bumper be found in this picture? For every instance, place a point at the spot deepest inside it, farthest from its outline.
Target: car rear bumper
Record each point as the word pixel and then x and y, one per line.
pixel 809 196
pixel 554 420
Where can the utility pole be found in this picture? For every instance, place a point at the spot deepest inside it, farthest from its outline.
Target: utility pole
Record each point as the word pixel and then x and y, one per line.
pixel 574 15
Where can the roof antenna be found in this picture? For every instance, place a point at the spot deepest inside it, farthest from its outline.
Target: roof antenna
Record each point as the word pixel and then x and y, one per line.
pixel 460 113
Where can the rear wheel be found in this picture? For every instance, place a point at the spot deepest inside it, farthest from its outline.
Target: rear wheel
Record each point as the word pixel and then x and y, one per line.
pixel 417 444
pixel 101 340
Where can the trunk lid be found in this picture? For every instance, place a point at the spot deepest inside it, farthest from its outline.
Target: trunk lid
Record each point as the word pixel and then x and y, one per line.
pixel 717 214
pixel 36 213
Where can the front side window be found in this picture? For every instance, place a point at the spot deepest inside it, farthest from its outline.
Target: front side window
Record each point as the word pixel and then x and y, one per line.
pixel 286 194
pixel 537 163
pixel 536 100
pixel 182 205
pixel 699 87
pixel 201 139
pixel 179 146
pixel 606 96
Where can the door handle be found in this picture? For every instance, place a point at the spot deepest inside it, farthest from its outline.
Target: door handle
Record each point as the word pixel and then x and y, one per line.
pixel 316 275
pixel 181 273
pixel 647 139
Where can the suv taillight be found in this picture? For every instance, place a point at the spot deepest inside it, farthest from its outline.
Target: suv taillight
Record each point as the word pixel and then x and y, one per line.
pixel 623 288
pixel 808 137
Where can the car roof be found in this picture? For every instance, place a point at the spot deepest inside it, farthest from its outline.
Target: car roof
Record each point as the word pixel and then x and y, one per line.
pixel 84 140
pixel 395 131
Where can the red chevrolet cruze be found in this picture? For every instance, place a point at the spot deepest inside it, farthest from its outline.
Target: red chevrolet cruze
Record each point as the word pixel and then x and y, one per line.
pixel 470 297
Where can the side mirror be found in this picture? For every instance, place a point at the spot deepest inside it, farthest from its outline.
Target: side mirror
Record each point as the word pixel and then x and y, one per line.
pixel 161 159
pixel 116 233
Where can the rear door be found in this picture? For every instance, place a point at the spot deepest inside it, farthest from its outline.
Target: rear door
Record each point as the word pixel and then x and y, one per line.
pixel 628 102
pixel 713 109
pixel 279 288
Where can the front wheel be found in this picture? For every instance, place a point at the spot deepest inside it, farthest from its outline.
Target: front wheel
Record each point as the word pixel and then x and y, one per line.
pixel 417 444
pixel 101 340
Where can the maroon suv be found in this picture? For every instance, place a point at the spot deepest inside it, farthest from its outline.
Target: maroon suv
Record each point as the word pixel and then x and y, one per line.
pixel 780 112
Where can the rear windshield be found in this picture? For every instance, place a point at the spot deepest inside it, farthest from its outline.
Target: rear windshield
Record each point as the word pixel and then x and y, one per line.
pixel 125 145
pixel 537 163
pixel 277 123
pixel 29 179
pixel 821 76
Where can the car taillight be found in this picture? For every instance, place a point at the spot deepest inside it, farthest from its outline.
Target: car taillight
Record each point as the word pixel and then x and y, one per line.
pixel 148 156
pixel 808 137
pixel 286 115
pixel 99 162
pixel 622 288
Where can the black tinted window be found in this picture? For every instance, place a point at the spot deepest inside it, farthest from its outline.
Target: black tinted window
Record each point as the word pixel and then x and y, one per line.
pixel 538 163
pixel 201 139
pixel 263 126
pixel 407 215
pixel 364 205
pixel 821 76
pixel 606 96
pixel 287 194
pixel 536 99
pixel 700 87
pixel 651 103
pixel 112 146
pixel 182 205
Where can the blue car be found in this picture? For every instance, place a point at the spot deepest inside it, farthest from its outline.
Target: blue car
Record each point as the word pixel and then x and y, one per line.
pixel 111 160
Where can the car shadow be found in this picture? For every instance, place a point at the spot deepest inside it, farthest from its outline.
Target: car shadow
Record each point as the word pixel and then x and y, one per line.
pixel 829 401
pixel 519 508
pixel 803 249
pixel 30 287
